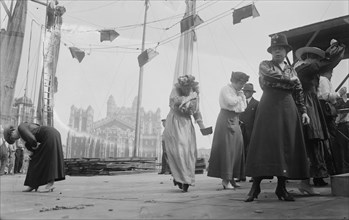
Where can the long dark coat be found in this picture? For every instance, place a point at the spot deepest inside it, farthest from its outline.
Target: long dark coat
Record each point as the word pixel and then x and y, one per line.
pixel 316 131
pixel 247 118
pixel 277 146
pixel 46 163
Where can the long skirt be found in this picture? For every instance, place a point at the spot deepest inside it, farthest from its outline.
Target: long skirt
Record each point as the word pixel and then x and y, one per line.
pixel 180 142
pixel 315 133
pixel 47 162
pixel 277 146
pixel 315 151
pixel 227 152
pixel 341 148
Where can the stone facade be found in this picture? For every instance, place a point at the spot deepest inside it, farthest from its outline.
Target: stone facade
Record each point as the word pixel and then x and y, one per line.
pixel 22 111
pixel 113 136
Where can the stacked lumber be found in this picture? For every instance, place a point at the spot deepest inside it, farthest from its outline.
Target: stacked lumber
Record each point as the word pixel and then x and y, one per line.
pixel 200 166
pixel 108 166
pixel 116 166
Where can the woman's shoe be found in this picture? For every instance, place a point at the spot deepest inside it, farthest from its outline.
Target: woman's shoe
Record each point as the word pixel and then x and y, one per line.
pixel 227 185
pixel 180 186
pixel 319 182
pixel 253 194
pixel 282 194
pixel 49 187
pixel 255 189
pixel 303 189
pixel 29 189
pixel 234 184
pixel 185 187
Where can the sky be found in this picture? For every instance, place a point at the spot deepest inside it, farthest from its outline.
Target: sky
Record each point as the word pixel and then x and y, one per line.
pixel 111 68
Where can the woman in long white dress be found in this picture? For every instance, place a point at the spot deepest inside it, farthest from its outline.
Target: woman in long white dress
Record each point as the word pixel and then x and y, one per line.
pixel 179 133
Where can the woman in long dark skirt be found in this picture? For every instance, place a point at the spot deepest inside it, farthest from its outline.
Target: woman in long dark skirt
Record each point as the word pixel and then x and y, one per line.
pixel 46 163
pixel 277 146
pixel 227 152
pixel 316 132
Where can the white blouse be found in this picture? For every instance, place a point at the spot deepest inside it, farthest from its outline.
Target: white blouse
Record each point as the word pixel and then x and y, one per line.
pixel 232 100
pixel 326 91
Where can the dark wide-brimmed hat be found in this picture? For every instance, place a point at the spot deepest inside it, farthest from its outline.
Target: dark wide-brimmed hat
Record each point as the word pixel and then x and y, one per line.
pixel 279 40
pixel 248 87
pixel 312 50
pixel 8 133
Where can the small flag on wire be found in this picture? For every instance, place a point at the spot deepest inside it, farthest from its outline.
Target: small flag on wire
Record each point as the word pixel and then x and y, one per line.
pixel 109 35
pixel 77 53
pixel 244 12
pixel 190 21
pixel 146 56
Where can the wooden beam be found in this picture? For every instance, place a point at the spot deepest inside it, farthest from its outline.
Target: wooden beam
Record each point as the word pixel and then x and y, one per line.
pixel 6 9
pixel 312 38
pixel 39 2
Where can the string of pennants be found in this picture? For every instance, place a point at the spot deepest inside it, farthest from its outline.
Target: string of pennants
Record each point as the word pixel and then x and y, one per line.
pixel 187 24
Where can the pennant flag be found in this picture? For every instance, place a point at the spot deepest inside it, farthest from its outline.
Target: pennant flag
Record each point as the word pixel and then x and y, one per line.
pixel 244 12
pixel 77 53
pixel 190 22
pixel 108 35
pixel 146 56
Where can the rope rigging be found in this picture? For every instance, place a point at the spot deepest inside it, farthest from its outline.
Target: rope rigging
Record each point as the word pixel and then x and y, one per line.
pixel 163 42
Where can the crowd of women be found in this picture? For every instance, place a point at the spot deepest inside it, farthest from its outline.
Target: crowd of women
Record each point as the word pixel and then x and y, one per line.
pixel 291 134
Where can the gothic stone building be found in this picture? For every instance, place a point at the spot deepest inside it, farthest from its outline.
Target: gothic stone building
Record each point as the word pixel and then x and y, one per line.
pixel 114 135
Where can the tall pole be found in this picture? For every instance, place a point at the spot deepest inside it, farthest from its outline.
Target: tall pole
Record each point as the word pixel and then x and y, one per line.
pixel 140 86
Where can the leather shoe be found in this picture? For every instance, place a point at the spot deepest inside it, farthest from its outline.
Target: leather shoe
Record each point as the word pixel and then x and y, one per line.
pixel 227 185
pixel 29 189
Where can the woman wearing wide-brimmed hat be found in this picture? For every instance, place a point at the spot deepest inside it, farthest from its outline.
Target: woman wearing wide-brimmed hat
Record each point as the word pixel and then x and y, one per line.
pixel 179 132
pixel 315 133
pixel 46 164
pixel 277 146
pixel 330 100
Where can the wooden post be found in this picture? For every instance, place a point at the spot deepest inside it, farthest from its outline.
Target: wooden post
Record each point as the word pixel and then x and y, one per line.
pixel 140 86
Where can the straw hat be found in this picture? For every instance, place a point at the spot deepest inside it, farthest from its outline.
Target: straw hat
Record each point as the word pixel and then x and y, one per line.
pixel 312 50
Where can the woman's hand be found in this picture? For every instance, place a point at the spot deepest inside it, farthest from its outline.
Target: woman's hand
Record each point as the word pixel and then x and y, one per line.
pixel 201 124
pixel 305 119
pixel 186 100
pixel 342 91
pixel 35 148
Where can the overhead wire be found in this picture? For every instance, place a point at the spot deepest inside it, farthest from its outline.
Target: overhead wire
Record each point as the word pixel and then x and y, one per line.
pixel 97 8
pixel 238 48
pixel 117 72
pixel 176 36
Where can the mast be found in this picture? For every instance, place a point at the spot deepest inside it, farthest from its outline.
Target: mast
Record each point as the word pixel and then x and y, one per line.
pixel 51 51
pixel 140 87
pixel 184 58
